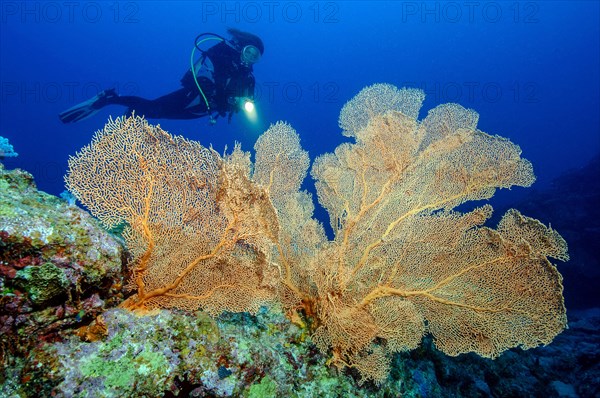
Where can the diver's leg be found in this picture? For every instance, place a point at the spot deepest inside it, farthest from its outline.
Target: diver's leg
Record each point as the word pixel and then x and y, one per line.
pixel 171 106
pixel 181 104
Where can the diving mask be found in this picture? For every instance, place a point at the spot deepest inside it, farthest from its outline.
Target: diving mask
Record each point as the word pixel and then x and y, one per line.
pixel 250 55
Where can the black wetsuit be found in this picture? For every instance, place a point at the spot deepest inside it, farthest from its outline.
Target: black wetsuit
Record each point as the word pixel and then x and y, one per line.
pixel 230 79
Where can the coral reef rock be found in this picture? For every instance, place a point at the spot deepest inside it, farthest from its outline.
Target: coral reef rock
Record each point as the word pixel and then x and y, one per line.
pixel 58 267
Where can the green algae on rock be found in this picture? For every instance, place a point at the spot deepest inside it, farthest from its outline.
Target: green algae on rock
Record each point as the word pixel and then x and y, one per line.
pixel 42 283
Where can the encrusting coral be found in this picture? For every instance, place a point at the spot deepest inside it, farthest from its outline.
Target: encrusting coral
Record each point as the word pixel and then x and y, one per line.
pixel 215 233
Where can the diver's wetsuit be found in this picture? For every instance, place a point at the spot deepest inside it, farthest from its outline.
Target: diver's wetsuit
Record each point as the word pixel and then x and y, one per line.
pixel 170 106
pixel 228 80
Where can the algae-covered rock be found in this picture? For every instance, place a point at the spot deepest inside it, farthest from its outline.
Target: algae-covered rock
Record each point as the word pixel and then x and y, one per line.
pixel 42 283
pixel 36 228
pixel 267 388
pixel 236 355
pixel 140 355
pixel 58 267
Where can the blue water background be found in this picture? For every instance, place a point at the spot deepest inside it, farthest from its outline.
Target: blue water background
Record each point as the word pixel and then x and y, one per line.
pixel 531 70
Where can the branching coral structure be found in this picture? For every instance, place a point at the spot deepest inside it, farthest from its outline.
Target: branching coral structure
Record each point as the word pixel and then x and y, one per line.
pixel 220 233
pixel 195 224
pixel 403 262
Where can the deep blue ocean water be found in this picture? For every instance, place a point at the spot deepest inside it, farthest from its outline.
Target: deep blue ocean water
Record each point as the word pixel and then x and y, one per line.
pixel 530 69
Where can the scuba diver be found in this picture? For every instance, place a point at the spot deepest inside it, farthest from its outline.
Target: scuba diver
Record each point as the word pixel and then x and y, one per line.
pixel 219 83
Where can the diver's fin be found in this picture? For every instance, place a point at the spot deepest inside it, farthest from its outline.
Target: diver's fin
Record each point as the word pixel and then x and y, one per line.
pixel 78 112
pixel 87 108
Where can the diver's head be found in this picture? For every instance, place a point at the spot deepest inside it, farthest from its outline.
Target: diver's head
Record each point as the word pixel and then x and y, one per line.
pixel 250 55
pixel 250 46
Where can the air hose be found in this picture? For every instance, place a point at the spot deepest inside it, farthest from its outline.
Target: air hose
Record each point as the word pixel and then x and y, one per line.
pixel 213 36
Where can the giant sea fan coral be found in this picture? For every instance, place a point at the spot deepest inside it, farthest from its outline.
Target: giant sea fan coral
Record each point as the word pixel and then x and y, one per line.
pixel 196 225
pixel 403 262
pixel 207 232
